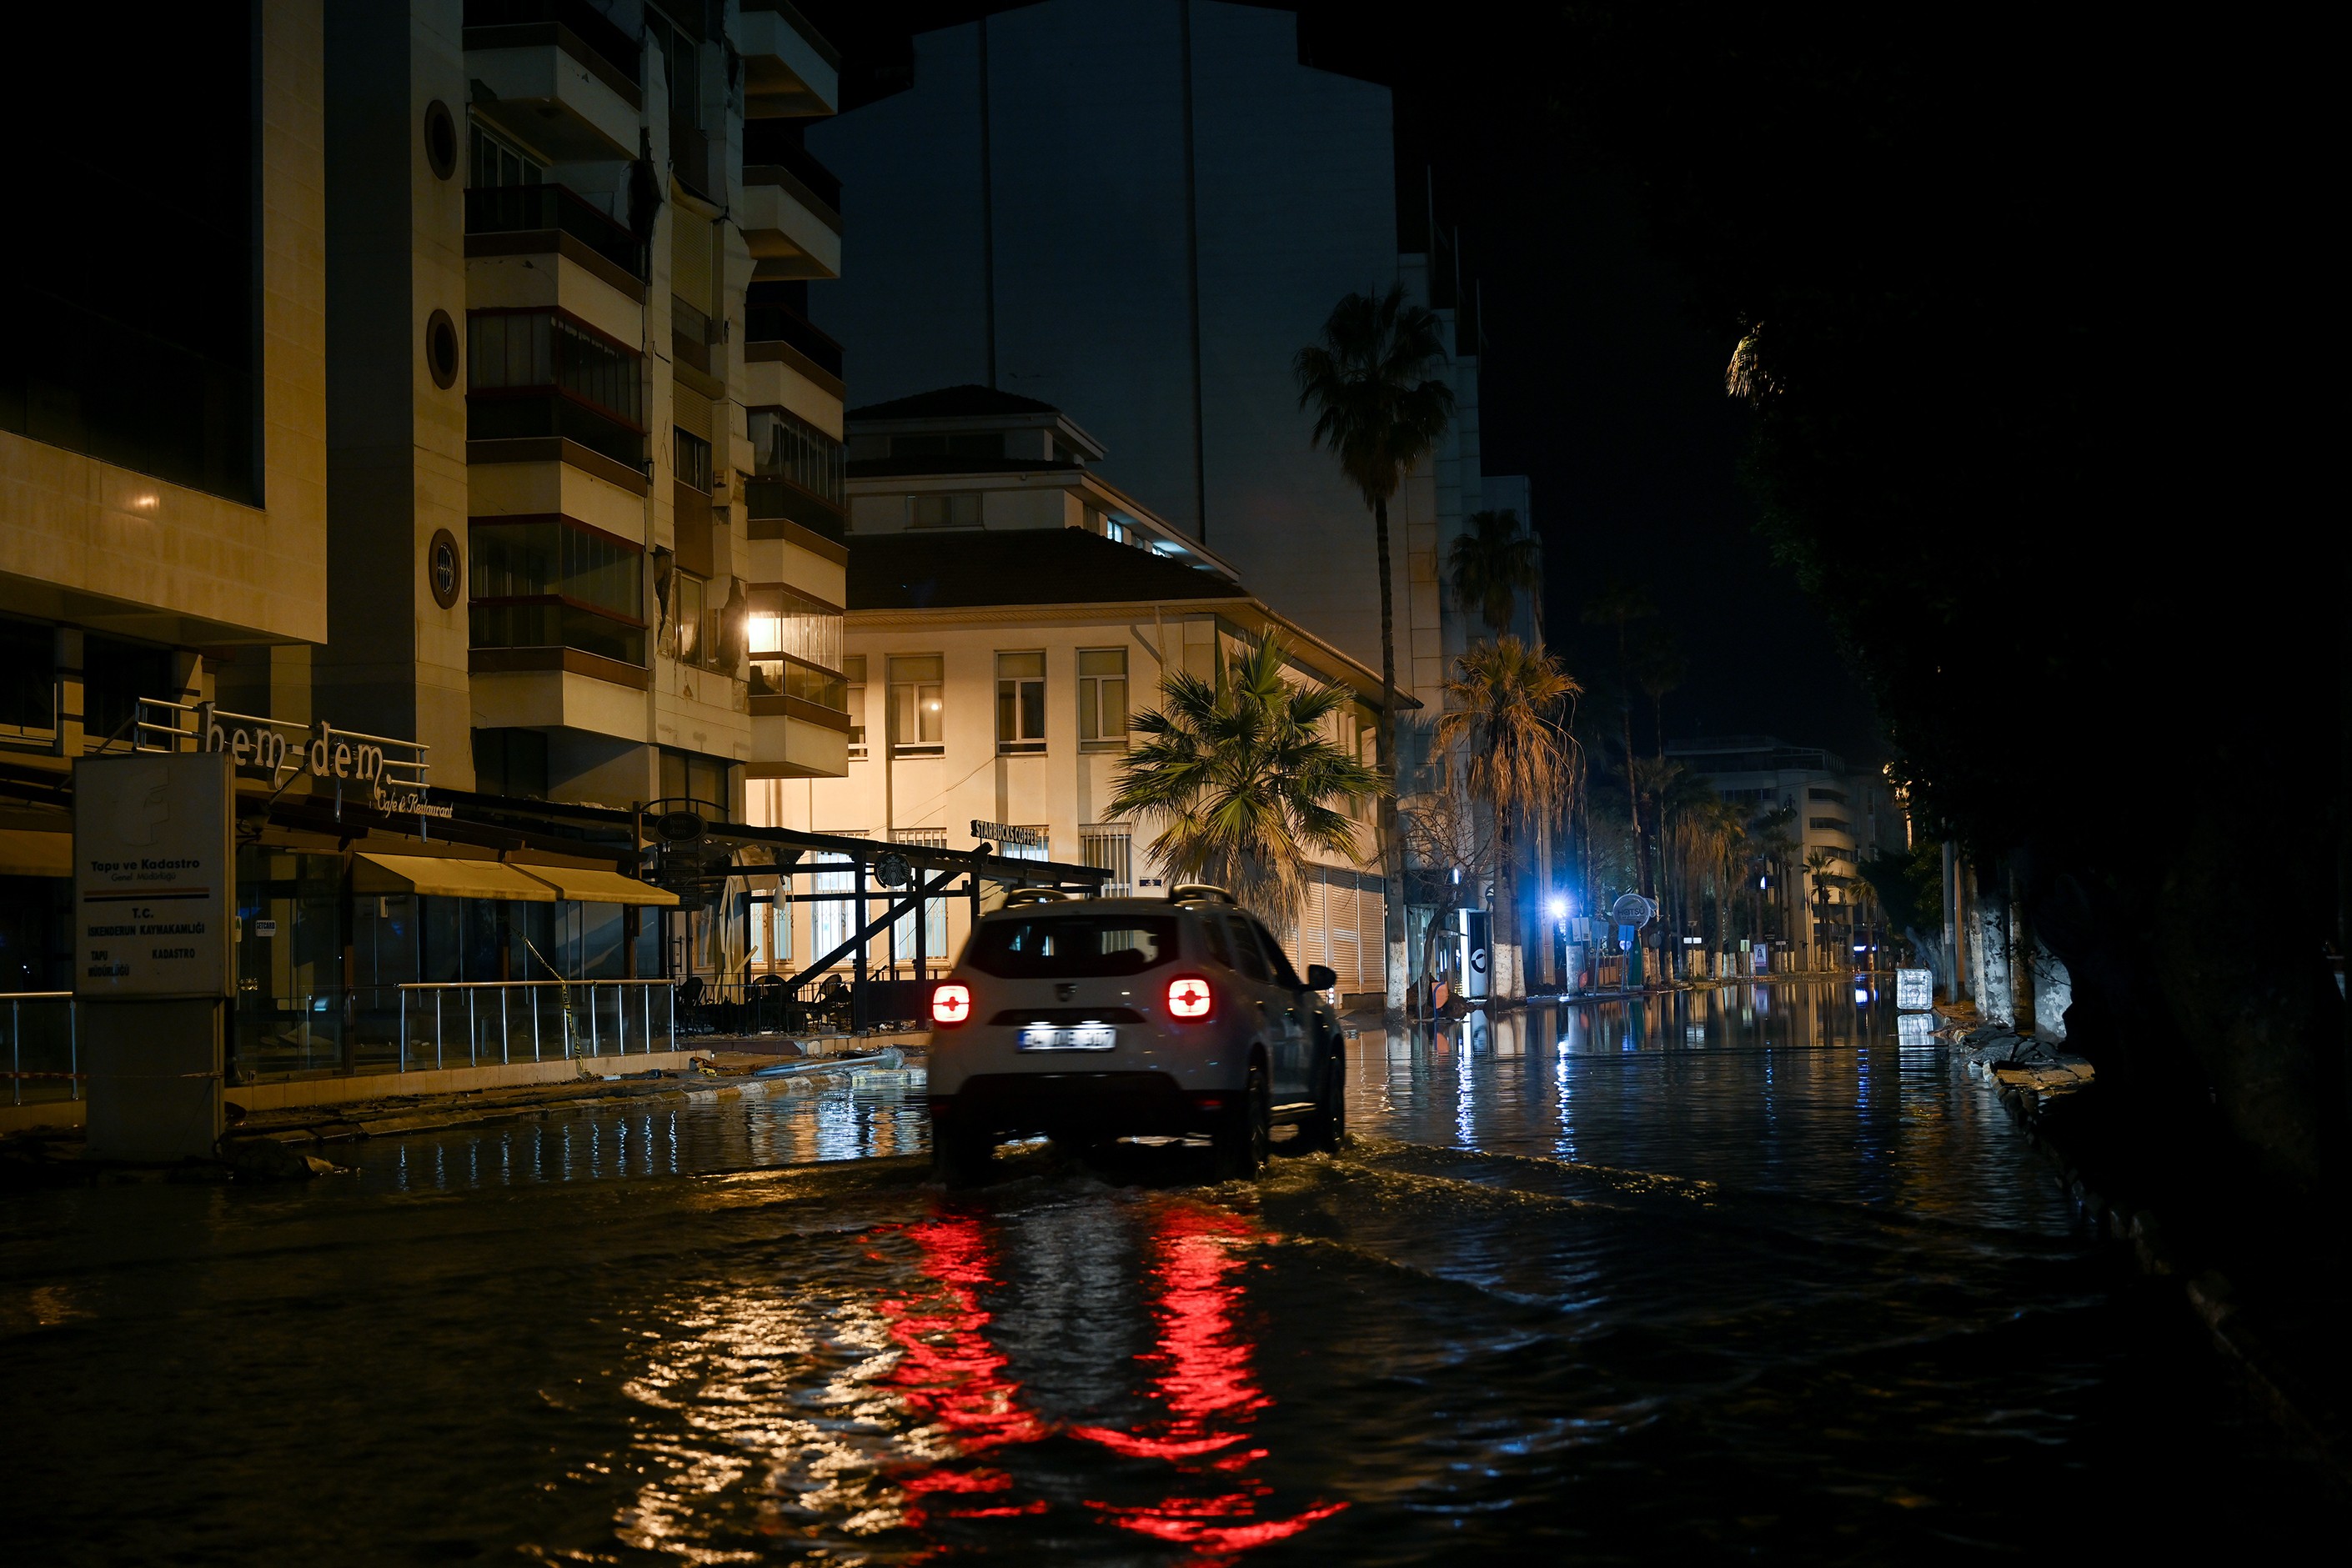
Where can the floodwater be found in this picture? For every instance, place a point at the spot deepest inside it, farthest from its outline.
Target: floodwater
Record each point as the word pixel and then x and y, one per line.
pixel 1741 1274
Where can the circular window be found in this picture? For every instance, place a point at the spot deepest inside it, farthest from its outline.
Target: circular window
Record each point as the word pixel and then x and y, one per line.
pixel 440 140
pixel 444 570
pixel 441 348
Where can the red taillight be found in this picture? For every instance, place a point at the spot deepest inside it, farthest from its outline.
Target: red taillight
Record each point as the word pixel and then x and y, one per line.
pixel 1189 997
pixel 950 1005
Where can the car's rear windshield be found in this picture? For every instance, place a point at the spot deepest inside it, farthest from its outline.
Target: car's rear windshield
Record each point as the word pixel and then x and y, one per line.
pixel 1073 946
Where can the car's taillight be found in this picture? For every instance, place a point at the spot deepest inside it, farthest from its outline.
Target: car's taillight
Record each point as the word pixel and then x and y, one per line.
pixel 1189 997
pixel 950 1005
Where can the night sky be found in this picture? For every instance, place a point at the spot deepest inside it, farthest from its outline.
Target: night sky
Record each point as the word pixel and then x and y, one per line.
pixel 1599 382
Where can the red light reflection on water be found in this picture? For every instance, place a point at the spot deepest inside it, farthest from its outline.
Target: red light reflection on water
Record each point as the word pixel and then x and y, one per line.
pixel 950 1374
pixel 1208 1391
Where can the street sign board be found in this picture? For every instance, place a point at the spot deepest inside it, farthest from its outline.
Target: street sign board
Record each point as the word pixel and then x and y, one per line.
pixel 154 876
pixel 1633 909
pixel 1915 990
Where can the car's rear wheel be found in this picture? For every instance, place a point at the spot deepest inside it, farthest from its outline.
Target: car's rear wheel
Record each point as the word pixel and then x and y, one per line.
pixel 1328 1122
pixel 1248 1136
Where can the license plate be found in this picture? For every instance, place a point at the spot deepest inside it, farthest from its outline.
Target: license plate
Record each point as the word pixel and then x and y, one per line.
pixel 1085 1037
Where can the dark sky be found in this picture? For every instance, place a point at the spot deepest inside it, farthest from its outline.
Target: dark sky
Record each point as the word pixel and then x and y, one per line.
pixel 1598 382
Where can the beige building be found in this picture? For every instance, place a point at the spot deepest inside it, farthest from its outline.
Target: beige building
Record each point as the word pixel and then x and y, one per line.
pixel 1008 611
pixel 476 412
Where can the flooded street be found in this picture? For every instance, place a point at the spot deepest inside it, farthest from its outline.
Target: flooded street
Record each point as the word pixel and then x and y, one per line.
pixel 1740 1274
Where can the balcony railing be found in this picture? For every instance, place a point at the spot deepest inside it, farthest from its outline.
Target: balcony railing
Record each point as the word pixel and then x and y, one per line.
pixel 773 142
pixel 518 209
pixel 587 24
pixel 782 324
pixel 766 497
pixel 778 675
pixel 502 415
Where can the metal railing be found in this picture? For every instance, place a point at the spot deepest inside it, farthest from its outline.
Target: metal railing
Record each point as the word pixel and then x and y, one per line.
pixel 773 323
pixel 549 208
pixel 44 1053
pixel 430 1026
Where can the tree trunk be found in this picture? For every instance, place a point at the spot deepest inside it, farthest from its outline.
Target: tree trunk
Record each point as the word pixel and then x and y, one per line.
pixel 1391 845
pixel 1544 970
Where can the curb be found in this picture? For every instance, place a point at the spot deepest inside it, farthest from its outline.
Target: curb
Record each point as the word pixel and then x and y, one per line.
pixel 2208 1294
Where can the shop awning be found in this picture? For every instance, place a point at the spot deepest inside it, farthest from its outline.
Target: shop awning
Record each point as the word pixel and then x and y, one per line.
pixel 23 853
pixel 444 878
pixel 599 886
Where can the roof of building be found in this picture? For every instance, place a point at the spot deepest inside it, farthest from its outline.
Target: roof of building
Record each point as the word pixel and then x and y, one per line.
pixel 943 570
pixel 940 463
pixel 952 403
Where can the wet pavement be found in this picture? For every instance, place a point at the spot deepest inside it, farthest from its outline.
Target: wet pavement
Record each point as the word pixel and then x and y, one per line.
pixel 1736 1274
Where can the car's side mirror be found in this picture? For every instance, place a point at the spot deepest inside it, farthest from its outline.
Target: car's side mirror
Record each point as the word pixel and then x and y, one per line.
pixel 1320 977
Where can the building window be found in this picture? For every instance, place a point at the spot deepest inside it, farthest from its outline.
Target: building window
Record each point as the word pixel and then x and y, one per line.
pixel 787 446
pixel 1040 849
pixel 497 165
pixel 935 910
pixel 691 597
pixel 832 921
pixel 960 510
pixel 693 459
pixel 1834 797
pixel 853 672
pixel 796 647
pixel 1832 825
pixel 1111 846
pixel 552 583
pixel 1020 703
pixel 540 373
pixel 27 674
pixel 115 676
pixel 689 776
pixel 510 762
pixel 918 711
pixel 1102 699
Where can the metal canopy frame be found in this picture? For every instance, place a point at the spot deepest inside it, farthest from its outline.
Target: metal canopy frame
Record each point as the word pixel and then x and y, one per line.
pixel 692 865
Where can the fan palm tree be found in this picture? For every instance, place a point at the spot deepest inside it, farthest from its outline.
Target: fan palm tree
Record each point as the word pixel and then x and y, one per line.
pixel 1242 779
pixel 1379 408
pixel 1506 707
pixel 1493 563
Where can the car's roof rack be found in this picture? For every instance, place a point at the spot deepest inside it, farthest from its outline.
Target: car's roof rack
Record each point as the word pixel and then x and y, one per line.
pixel 1020 896
pixel 1201 892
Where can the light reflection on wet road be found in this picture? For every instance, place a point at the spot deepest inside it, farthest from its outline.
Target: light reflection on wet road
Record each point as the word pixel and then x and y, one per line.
pixel 1735 1275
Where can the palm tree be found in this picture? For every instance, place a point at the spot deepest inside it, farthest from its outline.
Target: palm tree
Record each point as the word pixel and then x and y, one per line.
pixel 1242 780
pixel 1618 605
pixel 1823 867
pixel 1493 563
pixel 1504 707
pixel 1771 833
pixel 1380 409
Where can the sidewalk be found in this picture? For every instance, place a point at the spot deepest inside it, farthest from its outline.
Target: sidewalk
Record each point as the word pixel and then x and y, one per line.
pixel 291 1133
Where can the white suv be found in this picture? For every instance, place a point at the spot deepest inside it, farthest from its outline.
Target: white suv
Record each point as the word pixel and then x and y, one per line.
pixel 1088 1020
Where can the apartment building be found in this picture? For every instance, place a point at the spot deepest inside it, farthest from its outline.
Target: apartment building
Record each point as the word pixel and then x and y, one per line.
pixel 1009 610
pixel 163 467
pixel 1832 811
pixel 478 418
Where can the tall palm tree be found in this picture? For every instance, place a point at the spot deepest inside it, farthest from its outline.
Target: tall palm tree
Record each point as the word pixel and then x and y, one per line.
pixel 1618 605
pixel 1506 707
pixel 1772 831
pixel 1379 408
pixel 1493 563
pixel 1242 780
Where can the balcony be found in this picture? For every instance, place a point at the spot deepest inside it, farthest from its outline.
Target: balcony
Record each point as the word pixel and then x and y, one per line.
pixel 768 498
pixel 767 325
pixel 526 414
pixel 531 218
pixel 790 214
pixel 555 74
pixel 788 68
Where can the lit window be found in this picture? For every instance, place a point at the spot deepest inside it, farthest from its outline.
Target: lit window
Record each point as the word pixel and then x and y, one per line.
pixel 1102 699
pixel 1020 702
pixel 917 709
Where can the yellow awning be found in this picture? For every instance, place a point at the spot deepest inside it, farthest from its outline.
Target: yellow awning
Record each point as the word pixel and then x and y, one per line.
pixel 23 853
pixel 599 886
pixel 445 878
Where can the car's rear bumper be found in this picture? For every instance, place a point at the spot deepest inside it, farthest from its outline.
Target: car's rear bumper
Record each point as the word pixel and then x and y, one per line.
pixel 1109 1104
